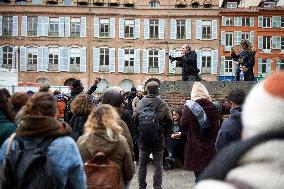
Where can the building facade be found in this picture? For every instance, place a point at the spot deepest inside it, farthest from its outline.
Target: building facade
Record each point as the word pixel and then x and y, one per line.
pixel 126 43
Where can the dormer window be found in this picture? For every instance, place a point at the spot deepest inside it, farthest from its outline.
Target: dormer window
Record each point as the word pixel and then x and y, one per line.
pixel 195 4
pixel 113 2
pixel 181 3
pixel 269 5
pixel 99 2
pixel 232 5
pixel 207 4
pixel 154 3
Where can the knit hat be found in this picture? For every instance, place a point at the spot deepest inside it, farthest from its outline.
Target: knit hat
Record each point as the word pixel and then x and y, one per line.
pixel 152 87
pixel 199 91
pixel 263 109
pixel 133 90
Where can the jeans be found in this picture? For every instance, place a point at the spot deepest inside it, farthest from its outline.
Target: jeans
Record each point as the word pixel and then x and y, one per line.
pixel 158 168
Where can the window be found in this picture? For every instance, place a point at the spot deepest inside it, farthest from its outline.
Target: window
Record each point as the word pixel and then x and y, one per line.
pixel 32 25
pixel 266 22
pixel 228 65
pixel 75 59
pixel 206 62
pixel 282 43
pixel 281 64
pixel 180 29
pixel 7 25
pixel 129 57
pixel 245 21
pixel 245 35
pixel 104 28
pixel 154 29
pixel 269 4
pixel 194 5
pixel 75 27
pixel 206 29
pixel 53 59
pixel 282 21
pixel 153 61
pixel 32 59
pixel 68 2
pixel 232 5
pixel 104 56
pixel 262 66
pixel 229 21
pixel 53 27
pixel 36 2
pixel 266 42
pixel 129 29
pixel 7 57
pixel 229 40
pixel 154 4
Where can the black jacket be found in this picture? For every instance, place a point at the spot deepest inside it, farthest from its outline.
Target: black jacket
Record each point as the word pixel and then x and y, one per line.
pixel 77 123
pixel 188 62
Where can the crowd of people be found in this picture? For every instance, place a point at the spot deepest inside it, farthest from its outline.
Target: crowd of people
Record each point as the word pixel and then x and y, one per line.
pixel 242 151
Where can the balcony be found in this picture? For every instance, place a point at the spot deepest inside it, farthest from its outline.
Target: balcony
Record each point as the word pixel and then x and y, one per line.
pixel 83 2
pixel 129 3
pixel 98 2
pixel 113 2
pixel 181 3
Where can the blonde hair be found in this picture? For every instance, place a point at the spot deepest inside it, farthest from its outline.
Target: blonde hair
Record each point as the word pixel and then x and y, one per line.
pixel 103 117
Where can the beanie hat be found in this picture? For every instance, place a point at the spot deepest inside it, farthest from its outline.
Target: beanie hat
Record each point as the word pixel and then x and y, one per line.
pixel 152 87
pixel 263 109
pixel 199 91
pixel 133 90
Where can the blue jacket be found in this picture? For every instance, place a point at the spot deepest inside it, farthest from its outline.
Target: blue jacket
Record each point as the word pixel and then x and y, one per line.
pixel 65 157
pixel 6 127
pixel 230 130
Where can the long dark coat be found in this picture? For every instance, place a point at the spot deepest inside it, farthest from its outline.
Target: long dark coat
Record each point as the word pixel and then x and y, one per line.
pixel 199 149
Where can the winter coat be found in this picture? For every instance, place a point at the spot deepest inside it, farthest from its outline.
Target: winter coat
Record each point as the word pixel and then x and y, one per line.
pixel 188 63
pixel 6 127
pixel 63 152
pixel 116 149
pixel 164 117
pixel 77 123
pixel 231 129
pixel 200 149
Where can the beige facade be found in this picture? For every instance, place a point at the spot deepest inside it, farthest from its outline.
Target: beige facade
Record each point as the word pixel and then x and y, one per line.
pixel 124 45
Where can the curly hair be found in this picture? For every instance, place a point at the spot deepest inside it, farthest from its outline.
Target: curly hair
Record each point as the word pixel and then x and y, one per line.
pixel 40 104
pixel 19 99
pixel 247 44
pixel 82 104
pixel 105 116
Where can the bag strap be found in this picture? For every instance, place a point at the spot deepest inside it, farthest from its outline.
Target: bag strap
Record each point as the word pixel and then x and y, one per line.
pixel 10 141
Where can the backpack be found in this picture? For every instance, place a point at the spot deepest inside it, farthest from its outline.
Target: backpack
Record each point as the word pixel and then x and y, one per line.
pixel 28 168
pixel 149 127
pixel 102 173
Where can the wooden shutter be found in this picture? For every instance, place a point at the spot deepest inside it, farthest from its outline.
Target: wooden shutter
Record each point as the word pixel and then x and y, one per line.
pixel 251 38
pixel 222 66
pixel 40 26
pixel 64 55
pixel 45 59
pixel 214 62
pixel 223 21
pixel 278 64
pixel 1 18
pixel 96 59
pixel 145 60
pixel 137 29
pixel 162 61
pixel 161 28
pixel 14 58
pixel 83 60
pixel 251 21
pixel 96 27
pixel 223 38
pixel 45 25
pixel 112 59
pixel 121 28
pixel 61 26
pixel 39 59
pixel 268 66
pixel 260 21
pixel 238 21
pixel 15 26
pixel 137 61
pixel 188 28
pixel 276 21
pixel 112 27
pixel 83 27
pixel 146 29
pixel 67 26
pixel 214 29
pixel 172 64
pixel 23 58
pixel 260 42
pixel 198 29
pixel 259 66
pixel 173 29
pixel 24 26
pixel 276 42
pixel 1 56
pixel 121 54
pixel 199 59
pixel 237 37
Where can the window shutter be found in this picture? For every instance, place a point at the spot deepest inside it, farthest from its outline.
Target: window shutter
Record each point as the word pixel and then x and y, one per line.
pixel 83 60
pixel 64 59
pixel 112 59
pixel 237 37
pixel 67 26
pixel 260 42
pixel 146 29
pixel 145 60
pixel 24 26
pixel 39 26
pixel 172 64
pixel 198 29
pixel 161 28
pixel 223 21
pixel 45 59
pixel 137 61
pixel 23 58
pixel 222 66
pixel 1 18
pixel 223 38
pixel 112 27
pixel 188 28
pixel 39 59
pixel 251 38
pixel 45 25
pixel 96 27
pixel 121 28
pixel 15 26
pixel 276 21
pixel 1 56
pixel 83 27
pixel 96 59
pixel 162 61
pixel 274 42
pixel 173 28
pixel 268 67
pixel 214 62
pixel 199 63
pixel 278 64
pixel 214 29
pixel 137 29
pixel 121 60
pixel 260 21
pixel 259 66
pixel 238 21
pixel 251 21
pixel 61 26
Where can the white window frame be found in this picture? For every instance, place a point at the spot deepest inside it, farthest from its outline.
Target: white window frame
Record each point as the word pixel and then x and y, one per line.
pixel 205 25
pixel 228 66
pixel 282 44
pixel 104 56
pixel 267 22
pixel 153 61
pixel 103 26
pixel 245 35
pixel 181 29
pixel 53 28
pixel 129 24
pixel 267 43
pixel 75 56
pixel 53 58
pixel 232 5
pixel 129 57
pixel 232 39
pixel 264 62
pixel 245 21
pixel 206 62
pixel 33 59
pixel 282 21
pixel 154 4
pixel 229 21
pixel 7 24
pixel 154 28
pixel 32 24
pixel 281 64
pixel 7 57
pixel 75 27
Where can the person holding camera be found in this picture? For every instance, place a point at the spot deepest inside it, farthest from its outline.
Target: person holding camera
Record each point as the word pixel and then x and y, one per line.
pixel 188 62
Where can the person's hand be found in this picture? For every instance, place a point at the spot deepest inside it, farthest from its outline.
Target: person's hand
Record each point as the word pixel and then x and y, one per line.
pixel 233 51
pixel 97 80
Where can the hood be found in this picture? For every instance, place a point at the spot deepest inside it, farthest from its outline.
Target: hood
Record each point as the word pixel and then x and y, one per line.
pixel 199 91
pixel 236 113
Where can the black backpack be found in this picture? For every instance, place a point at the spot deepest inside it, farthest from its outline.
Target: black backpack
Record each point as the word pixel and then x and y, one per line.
pixel 149 127
pixel 28 168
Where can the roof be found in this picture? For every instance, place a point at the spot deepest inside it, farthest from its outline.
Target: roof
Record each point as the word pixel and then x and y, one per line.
pixel 249 3
pixel 242 9
pixel 280 3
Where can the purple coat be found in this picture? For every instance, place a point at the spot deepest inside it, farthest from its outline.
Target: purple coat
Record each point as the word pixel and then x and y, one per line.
pixel 199 149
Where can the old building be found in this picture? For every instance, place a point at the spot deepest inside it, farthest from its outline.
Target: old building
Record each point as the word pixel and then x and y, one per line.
pixel 125 42
pixel 263 24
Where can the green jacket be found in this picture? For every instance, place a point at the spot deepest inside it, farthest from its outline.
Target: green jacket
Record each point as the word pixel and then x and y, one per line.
pixel 6 127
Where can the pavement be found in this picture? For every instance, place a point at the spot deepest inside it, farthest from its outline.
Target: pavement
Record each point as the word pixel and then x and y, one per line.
pixel 172 179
